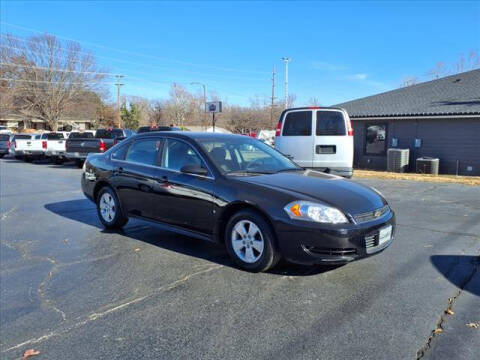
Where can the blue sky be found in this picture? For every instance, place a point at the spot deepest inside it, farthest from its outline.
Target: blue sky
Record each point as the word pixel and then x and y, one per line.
pixel 340 50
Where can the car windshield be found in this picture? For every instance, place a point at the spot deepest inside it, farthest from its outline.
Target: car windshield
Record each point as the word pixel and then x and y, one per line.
pixel 244 155
pixel 79 135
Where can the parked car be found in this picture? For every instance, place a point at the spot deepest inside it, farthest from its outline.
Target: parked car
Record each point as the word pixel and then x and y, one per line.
pixel 4 144
pixel 30 146
pixel 78 148
pixel 239 191
pixel 318 138
pixel 143 129
pixel 54 145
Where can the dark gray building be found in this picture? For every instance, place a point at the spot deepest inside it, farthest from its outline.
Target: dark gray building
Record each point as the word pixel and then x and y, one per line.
pixel 439 118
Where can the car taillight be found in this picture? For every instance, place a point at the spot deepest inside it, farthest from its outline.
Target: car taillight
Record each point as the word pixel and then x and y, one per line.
pixel 349 128
pixel 102 147
pixel 9 143
pixel 44 144
pixel 279 128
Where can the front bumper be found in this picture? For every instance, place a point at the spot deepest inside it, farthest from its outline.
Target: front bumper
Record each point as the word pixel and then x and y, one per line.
pixel 75 155
pixel 311 243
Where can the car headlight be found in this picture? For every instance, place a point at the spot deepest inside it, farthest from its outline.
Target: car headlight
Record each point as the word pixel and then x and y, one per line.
pixel 309 211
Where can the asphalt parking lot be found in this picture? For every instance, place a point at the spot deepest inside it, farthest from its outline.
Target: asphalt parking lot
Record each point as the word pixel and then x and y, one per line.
pixel 71 290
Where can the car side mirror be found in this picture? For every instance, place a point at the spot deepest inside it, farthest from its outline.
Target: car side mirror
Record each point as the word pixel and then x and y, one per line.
pixel 194 169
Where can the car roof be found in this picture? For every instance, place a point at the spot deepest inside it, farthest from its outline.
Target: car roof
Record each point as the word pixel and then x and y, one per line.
pixel 193 135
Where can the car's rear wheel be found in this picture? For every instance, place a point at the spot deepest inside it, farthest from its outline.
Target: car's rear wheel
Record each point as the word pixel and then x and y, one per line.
pixel 57 160
pixel 109 210
pixel 250 242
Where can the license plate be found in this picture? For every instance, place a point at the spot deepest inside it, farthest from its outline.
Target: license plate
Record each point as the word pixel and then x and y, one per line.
pixel 385 235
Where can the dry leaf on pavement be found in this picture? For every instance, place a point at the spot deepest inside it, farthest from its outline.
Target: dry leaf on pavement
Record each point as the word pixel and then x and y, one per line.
pixel 473 325
pixel 30 352
pixel 438 331
pixel 137 249
pixel 449 312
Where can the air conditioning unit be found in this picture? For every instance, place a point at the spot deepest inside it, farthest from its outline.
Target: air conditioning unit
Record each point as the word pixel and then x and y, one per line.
pixel 397 160
pixel 428 165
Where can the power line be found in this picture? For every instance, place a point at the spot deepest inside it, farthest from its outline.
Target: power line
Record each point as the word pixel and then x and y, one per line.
pixel 46 81
pixel 136 53
pixel 54 69
pixel 146 65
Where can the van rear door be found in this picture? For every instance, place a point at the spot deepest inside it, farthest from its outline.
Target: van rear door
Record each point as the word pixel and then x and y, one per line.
pixel 296 137
pixel 333 143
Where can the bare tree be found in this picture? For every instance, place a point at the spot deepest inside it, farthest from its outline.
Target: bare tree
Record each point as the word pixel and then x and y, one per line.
pixel 45 75
pixel 438 70
pixel 313 101
pixel 156 113
pixel 409 81
pixel 473 60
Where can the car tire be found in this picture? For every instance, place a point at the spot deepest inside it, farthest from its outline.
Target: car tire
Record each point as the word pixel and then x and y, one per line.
pixel 57 160
pixel 109 210
pixel 256 249
pixel 79 163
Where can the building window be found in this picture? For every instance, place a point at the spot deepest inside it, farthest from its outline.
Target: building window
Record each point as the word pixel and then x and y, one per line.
pixel 375 139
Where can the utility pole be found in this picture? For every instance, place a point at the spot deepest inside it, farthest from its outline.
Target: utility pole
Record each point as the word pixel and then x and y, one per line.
pixel 204 101
pixel 118 99
pixel 273 98
pixel 286 60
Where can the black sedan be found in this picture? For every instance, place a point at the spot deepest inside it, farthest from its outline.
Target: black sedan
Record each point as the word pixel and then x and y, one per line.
pixel 238 191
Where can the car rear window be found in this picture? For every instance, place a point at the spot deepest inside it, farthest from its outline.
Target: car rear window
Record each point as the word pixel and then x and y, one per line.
pixel 108 134
pixel 298 123
pixel 55 136
pixel 4 137
pixel 330 123
pixel 79 135
pixel 23 137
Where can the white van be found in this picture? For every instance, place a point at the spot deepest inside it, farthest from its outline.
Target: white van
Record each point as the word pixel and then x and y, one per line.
pixel 318 138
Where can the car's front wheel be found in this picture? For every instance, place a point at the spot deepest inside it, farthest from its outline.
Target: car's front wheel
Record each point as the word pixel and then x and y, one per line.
pixel 109 210
pixel 250 241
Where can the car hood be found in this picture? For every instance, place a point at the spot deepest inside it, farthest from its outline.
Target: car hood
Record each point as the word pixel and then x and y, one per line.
pixel 348 196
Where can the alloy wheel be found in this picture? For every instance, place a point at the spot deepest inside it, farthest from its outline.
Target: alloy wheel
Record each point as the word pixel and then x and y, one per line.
pixel 247 241
pixel 107 207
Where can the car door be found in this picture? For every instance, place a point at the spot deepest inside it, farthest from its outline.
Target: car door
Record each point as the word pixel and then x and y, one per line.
pixel 135 176
pixel 187 200
pixel 296 138
pixel 333 147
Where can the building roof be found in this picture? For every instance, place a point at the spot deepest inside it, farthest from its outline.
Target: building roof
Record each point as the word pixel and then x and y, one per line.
pixel 452 95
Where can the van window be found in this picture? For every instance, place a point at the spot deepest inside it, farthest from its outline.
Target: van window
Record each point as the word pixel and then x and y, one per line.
pixel 55 136
pixel 298 123
pixel 330 123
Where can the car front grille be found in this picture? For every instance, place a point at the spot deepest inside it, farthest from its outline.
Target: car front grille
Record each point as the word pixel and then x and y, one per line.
pixel 331 251
pixel 371 241
pixel 371 215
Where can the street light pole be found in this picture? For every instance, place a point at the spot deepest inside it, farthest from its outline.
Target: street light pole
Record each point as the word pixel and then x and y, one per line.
pixel 286 60
pixel 204 100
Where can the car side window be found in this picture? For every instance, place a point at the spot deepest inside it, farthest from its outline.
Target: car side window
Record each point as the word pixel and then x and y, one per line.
pixel 298 123
pixel 177 154
pixel 144 151
pixel 121 151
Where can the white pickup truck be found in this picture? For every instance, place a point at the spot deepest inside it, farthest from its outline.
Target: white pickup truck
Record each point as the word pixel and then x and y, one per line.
pixel 54 145
pixel 29 146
